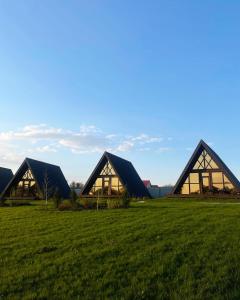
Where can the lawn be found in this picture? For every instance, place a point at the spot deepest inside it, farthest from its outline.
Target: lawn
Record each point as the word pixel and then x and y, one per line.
pixel 160 249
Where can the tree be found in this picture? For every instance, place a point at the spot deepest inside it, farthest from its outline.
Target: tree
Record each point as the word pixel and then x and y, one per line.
pixel 76 185
pixel 79 185
pixel 46 187
pixel 74 198
pixel 73 185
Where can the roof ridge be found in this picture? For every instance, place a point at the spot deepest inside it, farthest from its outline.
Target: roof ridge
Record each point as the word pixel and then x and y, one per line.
pixel 42 162
pixel 111 154
pixel 5 168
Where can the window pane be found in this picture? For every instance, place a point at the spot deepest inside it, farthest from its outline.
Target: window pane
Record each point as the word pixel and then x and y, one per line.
pixel 208 158
pixel 194 188
pixel 185 189
pixel 207 165
pixel 217 177
pixel 114 191
pixel 229 186
pixel 226 180
pixel 106 182
pixel 112 170
pixel 98 182
pixel 214 165
pixel 201 160
pixel 115 181
pixel 206 182
pixel 197 165
pixel 105 190
pixel 121 190
pixel 194 178
pixel 98 190
pixel 121 186
pixel 218 186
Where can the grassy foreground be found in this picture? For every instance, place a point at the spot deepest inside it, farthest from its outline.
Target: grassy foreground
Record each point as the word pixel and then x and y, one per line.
pixel 164 249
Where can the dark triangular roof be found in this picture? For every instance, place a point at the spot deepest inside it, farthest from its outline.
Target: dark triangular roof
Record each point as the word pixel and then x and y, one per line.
pixel 39 170
pixel 5 176
pixel 203 146
pixel 124 170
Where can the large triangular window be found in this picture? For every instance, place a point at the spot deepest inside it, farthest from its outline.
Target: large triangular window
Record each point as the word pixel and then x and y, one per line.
pixel 25 187
pixel 205 162
pixel 107 183
pixel 108 170
pixel 206 176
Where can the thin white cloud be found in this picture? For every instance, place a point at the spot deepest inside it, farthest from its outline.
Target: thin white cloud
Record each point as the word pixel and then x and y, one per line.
pixel 146 139
pixel 111 136
pixel 125 146
pixel 46 148
pixel 41 138
pixel 33 132
pixel 10 154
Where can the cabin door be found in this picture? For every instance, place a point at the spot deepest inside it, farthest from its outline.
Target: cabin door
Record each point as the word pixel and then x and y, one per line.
pixel 205 182
pixel 106 186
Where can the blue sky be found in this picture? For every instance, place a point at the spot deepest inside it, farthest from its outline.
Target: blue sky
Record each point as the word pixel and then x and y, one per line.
pixel 143 79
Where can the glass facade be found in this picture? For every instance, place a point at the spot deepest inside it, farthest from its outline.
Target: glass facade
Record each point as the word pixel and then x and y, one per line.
pixel 107 183
pixel 26 187
pixel 206 178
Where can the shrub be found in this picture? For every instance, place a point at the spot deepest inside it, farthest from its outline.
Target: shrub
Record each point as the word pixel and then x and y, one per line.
pixel 2 202
pixel 101 203
pixel 73 199
pixel 125 200
pixel 88 203
pixel 57 199
pixel 65 205
pixel 114 203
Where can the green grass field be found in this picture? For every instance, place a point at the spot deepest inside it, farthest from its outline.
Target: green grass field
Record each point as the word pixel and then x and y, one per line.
pixel 160 249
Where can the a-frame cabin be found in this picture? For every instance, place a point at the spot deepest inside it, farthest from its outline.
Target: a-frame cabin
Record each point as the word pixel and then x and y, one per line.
pixel 5 176
pixel 34 179
pixel 112 177
pixel 206 174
